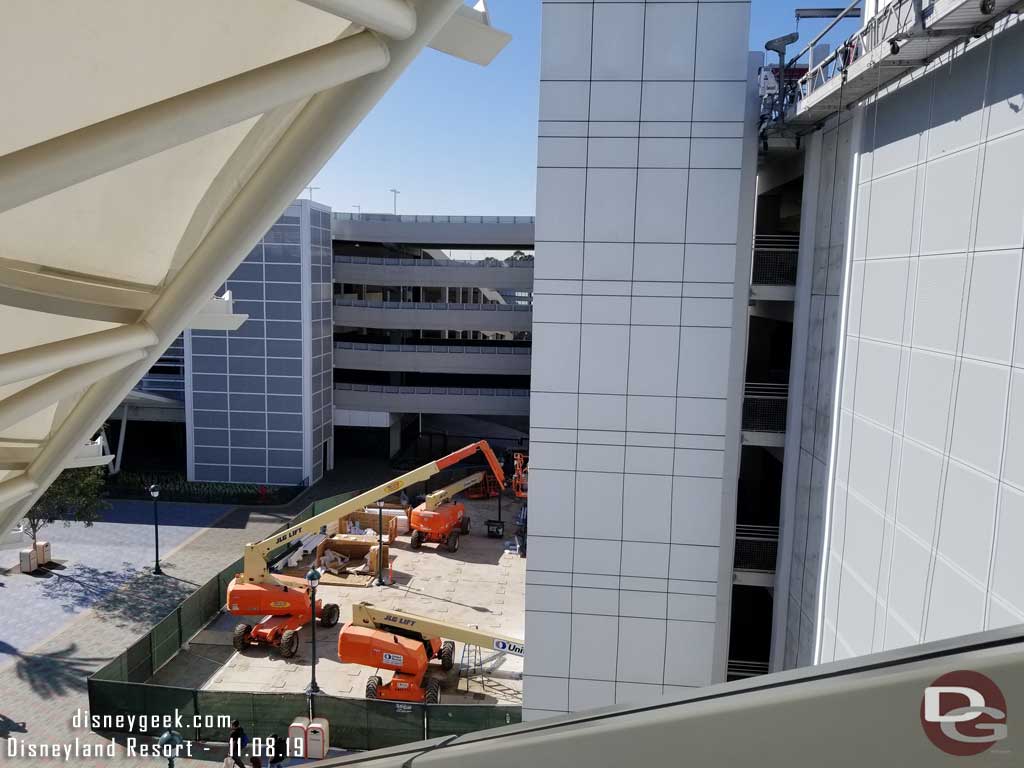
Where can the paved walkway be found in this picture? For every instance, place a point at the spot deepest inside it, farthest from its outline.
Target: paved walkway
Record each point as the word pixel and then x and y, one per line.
pixel 46 686
pixel 90 563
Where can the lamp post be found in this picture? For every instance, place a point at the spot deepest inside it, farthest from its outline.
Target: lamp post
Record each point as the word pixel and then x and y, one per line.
pixel 170 743
pixel 154 491
pixel 394 199
pixel 312 578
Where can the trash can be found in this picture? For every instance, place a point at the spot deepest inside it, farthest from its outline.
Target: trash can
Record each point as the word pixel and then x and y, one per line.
pixel 297 736
pixel 318 738
pixel 29 561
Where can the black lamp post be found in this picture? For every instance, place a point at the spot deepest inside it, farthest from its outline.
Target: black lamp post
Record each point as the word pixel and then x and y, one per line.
pixel 170 743
pixel 312 578
pixel 154 491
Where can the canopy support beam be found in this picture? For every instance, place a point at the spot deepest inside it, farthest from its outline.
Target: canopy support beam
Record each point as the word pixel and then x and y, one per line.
pixel 46 358
pixel 16 488
pixel 308 143
pixel 49 166
pixel 32 399
pixel 393 18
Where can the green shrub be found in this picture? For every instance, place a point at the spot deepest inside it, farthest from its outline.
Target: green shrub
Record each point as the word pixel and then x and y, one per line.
pixel 174 487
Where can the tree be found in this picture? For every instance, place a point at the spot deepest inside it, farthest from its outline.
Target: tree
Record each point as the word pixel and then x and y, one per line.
pixel 76 496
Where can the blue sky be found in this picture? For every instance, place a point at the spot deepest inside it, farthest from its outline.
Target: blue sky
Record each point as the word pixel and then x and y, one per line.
pixel 456 138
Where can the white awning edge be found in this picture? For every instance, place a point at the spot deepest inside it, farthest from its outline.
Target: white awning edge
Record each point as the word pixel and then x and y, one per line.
pixel 315 131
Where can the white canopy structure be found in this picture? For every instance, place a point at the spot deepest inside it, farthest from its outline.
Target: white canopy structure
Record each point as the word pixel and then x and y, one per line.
pixel 146 147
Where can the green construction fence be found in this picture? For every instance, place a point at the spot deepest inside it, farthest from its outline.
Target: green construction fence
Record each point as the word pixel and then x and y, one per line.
pixel 121 701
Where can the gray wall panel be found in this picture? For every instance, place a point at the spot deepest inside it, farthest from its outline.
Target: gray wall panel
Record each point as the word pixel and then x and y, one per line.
pixel 275 283
pixel 908 542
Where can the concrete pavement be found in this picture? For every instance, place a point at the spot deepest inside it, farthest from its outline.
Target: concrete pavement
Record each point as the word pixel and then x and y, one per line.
pixel 46 685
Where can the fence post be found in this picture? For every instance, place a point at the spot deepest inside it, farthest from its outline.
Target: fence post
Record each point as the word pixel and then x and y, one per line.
pixel 195 708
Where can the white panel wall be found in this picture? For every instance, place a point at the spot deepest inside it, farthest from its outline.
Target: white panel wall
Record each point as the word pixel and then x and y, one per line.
pixel 924 529
pixel 829 160
pixel 635 336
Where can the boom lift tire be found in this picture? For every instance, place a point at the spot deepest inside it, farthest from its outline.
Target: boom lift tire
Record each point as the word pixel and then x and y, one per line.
pixel 447 655
pixel 433 691
pixel 240 639
pixel 372 684
pixel 289 643
pixel 453 542
pixel 329 615
pixel 464 525
pixel 416 541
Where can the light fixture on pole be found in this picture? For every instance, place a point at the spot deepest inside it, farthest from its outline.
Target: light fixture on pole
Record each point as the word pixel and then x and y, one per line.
pixel 154 491
pixel 394 194
pixel 312 578
pixel 359 211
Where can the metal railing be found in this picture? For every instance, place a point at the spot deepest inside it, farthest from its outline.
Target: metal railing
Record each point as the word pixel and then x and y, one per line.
pixel 163 384
pixel 888 23
pixel 428 219
pixel 433 305
pixel 757 548
pixel 432 348
pixel 764 407
pixel 737 668
pixel 775 259
pixel 460 391
pixel 394 261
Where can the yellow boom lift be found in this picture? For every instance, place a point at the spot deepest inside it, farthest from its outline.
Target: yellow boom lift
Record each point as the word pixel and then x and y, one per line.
pixel 285 602
pixel 405 643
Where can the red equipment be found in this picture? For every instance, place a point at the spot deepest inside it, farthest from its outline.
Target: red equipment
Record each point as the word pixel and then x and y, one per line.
pixel 409 658
pixel 438 519
pixel 288 607
pixel 521 475
pixel 487 488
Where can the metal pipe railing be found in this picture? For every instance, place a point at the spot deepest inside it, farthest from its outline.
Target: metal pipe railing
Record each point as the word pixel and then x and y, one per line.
pixel 828 28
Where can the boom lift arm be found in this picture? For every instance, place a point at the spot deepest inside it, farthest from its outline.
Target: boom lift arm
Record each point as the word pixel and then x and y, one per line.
pixel 367 615
pixel 255 568
pixel 443 495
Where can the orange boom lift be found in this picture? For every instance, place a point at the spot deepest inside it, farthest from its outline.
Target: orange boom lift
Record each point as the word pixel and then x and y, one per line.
pixel 405 644
pixel 521 476
pixel 283 602
pixel 438 518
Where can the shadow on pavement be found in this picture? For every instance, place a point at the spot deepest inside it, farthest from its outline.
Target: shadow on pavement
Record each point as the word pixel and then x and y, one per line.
pixel 8 726
pixel 57 673
pixel 144 599
pixel 171 514
pixel 125 595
